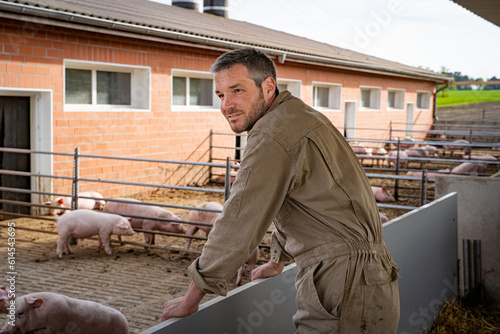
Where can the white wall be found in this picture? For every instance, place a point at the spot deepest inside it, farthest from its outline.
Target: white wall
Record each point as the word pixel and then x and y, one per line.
pixel 478 218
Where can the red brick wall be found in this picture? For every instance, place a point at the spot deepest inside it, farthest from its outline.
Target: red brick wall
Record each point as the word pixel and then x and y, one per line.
pixel 32 55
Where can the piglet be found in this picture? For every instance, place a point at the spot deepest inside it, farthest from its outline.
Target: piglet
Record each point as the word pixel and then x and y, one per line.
pixel 382 194
pixel 455 146
pixel 469 167
pixel 83 203
pixel 380 152
pixel 251 261
pixel 406 142
pixel 392 158
pixel 429 175
pixel 202 217
pixel 86 223
pixel 383 218
pixel 48 312
pixel 484 157
pixel 5 297
pixel 360 150
pixel 137 208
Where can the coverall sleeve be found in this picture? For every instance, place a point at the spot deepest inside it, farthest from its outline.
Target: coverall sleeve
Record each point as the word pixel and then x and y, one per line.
pixel 264 179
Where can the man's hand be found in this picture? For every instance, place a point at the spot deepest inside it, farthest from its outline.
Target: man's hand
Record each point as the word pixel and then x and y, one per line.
pixel 269 269
pixel 183 306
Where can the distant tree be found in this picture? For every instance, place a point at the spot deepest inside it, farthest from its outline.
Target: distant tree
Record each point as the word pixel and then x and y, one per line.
pixel 492 87
pixel 460 77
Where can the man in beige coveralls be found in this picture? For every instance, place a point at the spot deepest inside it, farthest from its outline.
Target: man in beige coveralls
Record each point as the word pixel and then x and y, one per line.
pixel 299 171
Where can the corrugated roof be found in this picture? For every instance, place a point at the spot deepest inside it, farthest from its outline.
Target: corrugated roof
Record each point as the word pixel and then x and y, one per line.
pixel 151 18
pixel 487 9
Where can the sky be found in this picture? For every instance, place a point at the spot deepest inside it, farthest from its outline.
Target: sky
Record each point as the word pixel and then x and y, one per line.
pixel 432 34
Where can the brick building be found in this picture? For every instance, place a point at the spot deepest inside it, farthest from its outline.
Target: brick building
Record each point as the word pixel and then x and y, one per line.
pixel 131 78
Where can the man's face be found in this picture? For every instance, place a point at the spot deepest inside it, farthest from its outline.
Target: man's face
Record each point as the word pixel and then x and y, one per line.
pixel 242 102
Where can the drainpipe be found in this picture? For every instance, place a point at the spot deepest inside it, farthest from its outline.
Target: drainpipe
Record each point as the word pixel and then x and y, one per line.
pixel 434 109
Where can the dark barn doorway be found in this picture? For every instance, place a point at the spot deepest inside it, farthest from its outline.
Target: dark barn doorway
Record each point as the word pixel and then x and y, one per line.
pixel 15 133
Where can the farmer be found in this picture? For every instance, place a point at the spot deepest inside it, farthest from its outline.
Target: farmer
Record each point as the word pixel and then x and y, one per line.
pixel 299 171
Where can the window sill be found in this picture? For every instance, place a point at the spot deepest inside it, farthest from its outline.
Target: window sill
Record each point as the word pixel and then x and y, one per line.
pixel 101 108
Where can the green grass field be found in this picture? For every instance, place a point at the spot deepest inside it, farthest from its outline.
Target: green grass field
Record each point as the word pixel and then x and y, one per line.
pixel 458 97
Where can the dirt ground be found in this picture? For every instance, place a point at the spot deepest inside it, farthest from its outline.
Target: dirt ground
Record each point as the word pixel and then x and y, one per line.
pixel 133 279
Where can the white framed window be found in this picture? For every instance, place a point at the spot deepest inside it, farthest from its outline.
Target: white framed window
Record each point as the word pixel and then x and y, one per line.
pixel 370 97
pixel 293 86
pixel 395 98
pixel 423 99
pixel 96 86
pixel 327 95
pixel 193 91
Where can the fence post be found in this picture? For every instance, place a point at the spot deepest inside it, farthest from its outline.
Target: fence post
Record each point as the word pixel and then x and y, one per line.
pixel 423 188
pixel 227 181
pixel 396 182
pixel 465 252
pixel 390 131
pixel 74 187
pixel 210 143
pixel 74 190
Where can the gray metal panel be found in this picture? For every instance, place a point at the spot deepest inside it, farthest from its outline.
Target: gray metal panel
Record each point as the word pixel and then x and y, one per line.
pixel 424 244
pixel 262 306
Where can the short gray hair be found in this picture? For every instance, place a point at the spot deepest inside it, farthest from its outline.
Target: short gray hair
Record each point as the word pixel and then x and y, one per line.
pixel 258 64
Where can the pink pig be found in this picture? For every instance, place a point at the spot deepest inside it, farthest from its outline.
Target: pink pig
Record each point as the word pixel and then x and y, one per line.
pixel 251 261
pixel 136 208
pixel 48 312
pixel 469 167
pixel 359 149
pixel 382 194
pixel 430 175
pixel 202 217
pixel 392 158
pixel 456 147
pixel 5 299
pixel 383 218
pixel 86 223
pixel 83 203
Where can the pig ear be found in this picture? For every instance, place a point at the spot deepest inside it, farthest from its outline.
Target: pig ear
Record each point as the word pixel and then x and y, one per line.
pixel 35 302
pixel 122 224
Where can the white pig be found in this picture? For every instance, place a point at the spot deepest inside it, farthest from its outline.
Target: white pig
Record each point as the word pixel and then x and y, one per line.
pixel 83 203
pixel 469 167
pixel 251 261
pixel 135 208
pixel 52 313
pixel 382 194
pixel 202 217
pixel 82 224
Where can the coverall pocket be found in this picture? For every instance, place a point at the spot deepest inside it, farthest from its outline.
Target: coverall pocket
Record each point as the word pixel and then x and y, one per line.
pixel 322 286
pixel 380 299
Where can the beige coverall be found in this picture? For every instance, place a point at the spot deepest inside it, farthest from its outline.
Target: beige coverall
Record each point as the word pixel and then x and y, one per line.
pixel 299 171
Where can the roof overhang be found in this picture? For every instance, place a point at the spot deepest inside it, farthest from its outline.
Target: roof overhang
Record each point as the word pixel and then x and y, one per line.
pixel 48 16
pixel 487 9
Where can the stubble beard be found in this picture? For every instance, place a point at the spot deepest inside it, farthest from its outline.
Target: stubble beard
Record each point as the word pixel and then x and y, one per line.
pixel 257 109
